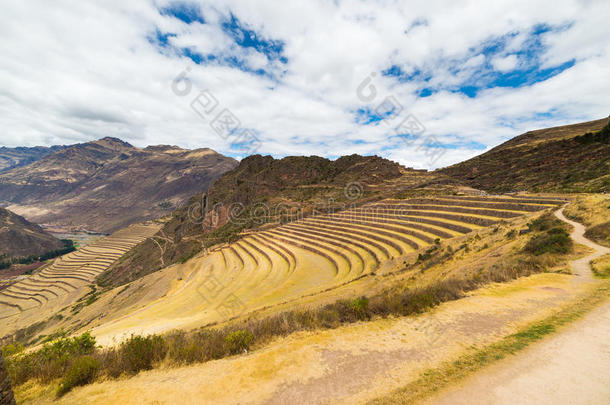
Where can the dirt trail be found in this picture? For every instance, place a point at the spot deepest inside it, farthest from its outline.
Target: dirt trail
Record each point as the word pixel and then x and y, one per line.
pixel 570 368
pixel 347 365
pixel 581 267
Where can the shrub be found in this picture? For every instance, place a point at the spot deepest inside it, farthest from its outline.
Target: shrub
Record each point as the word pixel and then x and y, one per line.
pixel 11 349
pixel 555 240
pixel 82 371
pixel 239 341
pixel 141 352
pixel 601 266
pixel 360 307
pixel 194 347
pixel 49 362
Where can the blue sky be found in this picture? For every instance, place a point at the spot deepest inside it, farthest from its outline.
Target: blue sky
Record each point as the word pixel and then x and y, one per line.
pixel 302 78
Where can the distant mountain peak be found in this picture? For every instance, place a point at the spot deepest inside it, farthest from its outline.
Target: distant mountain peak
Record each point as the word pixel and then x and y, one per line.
pixel 113 143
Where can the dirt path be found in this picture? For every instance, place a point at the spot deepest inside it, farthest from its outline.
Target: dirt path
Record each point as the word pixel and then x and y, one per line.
pixel 581 267
pixel 570 368
pixel 347 365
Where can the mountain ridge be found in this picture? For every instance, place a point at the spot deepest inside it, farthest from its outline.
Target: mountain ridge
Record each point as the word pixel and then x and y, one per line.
pixel 20 238
pixel 568 158
pixel 107 184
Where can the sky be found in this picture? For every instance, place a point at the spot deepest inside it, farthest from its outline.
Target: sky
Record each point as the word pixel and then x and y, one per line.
pixel 424 83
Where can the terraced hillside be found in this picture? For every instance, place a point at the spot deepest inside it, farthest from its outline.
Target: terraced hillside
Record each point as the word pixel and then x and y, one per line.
pixel 62 282
pixel 315 254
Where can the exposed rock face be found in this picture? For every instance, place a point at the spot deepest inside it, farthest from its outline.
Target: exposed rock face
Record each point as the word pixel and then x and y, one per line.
pixel 105 185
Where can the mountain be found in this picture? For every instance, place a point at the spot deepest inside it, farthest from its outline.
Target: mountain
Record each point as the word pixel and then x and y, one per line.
pixel 21 156
pixel 571 158
pixel 107 184
pixel 19 237
pixel 259 191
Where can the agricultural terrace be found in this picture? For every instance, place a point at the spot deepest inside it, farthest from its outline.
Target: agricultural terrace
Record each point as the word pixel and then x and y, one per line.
pixel 315 254
pixel 60 282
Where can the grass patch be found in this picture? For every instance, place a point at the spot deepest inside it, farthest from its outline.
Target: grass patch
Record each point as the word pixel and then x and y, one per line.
pixel 592 211
pixel 601 266
pixel 550 236
pixel 432 380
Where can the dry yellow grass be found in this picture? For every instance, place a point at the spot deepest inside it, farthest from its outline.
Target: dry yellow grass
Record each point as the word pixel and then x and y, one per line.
pixel 589 209
pixel 300 262
pixel 306 262
pixel 592 210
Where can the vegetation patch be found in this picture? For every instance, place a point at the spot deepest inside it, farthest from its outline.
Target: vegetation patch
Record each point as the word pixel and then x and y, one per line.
pixel 592 211
pixel 601 266
pixel 551 236
pixel 6 262
pixel 82 371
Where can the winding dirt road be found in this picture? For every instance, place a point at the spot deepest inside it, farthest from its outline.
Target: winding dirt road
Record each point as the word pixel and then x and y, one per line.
pixel 572 367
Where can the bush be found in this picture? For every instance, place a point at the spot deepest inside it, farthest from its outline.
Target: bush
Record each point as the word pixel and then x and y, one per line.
pixel 555 240
pixel 81 372
pixel 51 361
pixel 194 347
pixel 360 306
pixel 11 349
pixel 140 353
pixel 239 341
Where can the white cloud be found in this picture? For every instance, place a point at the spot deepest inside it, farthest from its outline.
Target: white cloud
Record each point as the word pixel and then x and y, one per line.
pixel 76 71
pixel 506 63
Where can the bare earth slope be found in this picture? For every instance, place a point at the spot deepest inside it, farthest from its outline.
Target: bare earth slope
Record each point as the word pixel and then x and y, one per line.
pixel 105 185
pixel 19 238
pixel 559 159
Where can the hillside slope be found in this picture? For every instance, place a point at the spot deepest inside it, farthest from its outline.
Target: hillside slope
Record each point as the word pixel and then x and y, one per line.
pixel 19 237
pixel 572 158
pixel 21 156
pixel 105 185
pixel 259 191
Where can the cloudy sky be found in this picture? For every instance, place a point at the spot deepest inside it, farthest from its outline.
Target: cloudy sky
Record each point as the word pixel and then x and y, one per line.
pixel 426 83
